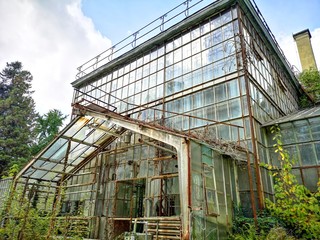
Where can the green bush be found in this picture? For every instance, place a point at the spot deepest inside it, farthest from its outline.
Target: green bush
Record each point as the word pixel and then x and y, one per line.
pixel 295 210
pixel 295 206
pixel 21 221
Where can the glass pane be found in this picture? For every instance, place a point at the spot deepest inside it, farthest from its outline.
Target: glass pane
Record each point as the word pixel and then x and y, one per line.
pixel 216 22
pixel 197 77
pixel 138 86
pixel 288 131
pixel 218 52
pixel 226 17
pixel 80 123
pixel 307 154
pixel 77 151
pixel 210 112
pixel 230 64
pixel 177 55
pixel 227 31
pixel 61 153
pixel 187 103
pixel 224 132
pixel 152 80
pixel 222 112
pixel 177 68
pixel 196 61
pixel 217 36
pixel 169 88
pixel 55 147
pixel 186 65
pixel 235 108
pixel 159 91
pixel 315 128
pixel 233 88
pixel 160 77
pixel 196 46
pixel 293 154
pixel 317 149
pixel 206 41
pixel 220 93
pixel 310 177
pixel 302 130
pixel 145 83
pixel 208 96
pixel 169 59
pixel 169 73
pixel 197 100
pixel 186 51
pixel 229 47
pixel 218 69
pixel 207 73
pixel 187 80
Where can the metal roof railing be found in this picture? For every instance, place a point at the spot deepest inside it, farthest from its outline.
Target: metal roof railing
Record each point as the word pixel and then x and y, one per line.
pixel 155 27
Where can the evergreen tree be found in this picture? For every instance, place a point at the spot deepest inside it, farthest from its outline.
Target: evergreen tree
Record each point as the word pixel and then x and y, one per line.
pixel 17 116
pixel 46 128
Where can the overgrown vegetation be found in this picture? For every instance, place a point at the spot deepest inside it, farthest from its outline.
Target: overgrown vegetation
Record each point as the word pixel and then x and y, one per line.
pixel 295 213
pixel 245 228
pixel 23 218
pixel 310 80
pixel 20 220
pixel 295 205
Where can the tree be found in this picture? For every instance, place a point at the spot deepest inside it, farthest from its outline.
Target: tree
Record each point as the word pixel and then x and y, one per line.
pixel 310 79
pixel 46 128
pixel 17 116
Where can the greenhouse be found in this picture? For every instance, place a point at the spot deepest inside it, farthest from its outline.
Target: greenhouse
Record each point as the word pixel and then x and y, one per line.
pixel 170 130
pixel 301 139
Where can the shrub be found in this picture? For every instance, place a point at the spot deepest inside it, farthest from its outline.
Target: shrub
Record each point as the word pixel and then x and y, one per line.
pixel 295 206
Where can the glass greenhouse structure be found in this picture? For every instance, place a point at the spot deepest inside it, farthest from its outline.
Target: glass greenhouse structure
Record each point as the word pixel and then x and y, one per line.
pixel 170 127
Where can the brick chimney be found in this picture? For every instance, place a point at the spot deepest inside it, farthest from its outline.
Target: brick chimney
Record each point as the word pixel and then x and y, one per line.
pixel 303 41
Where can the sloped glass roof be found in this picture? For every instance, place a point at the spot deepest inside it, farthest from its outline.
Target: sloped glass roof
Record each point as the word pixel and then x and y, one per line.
pixel 303 114
pixel 77 141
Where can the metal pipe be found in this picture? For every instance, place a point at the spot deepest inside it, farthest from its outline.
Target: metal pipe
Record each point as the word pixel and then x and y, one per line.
pixel 164 158
pixel 79 185
pixel 61 172
pixel 56 162
pixel 83 191
pixel 38 184
pixel 157 146
pixel 171 175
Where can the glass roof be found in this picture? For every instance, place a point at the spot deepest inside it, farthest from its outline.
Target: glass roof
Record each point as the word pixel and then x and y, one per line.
pixel 303 114
pixel 77 141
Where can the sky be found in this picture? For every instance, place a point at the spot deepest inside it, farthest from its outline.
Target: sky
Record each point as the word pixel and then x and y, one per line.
pixel 53 37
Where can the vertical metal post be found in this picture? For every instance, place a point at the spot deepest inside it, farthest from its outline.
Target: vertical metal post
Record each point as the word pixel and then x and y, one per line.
pixel 245 67
pixel 11 196
pixel 96 180
pixel 21 231
pixel 252 128
pixel 58 197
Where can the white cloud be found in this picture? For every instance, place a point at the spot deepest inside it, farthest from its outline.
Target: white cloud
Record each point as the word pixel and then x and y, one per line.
pixel 315 41
pixel 290 50
pixel 51 38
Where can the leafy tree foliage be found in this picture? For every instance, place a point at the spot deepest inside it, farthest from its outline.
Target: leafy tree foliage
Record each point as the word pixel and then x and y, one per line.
pixel 47 127
pixel 310 79
pixel 17 116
